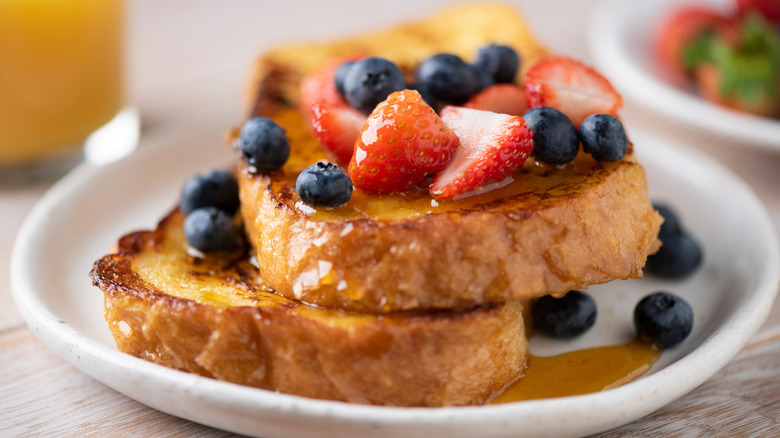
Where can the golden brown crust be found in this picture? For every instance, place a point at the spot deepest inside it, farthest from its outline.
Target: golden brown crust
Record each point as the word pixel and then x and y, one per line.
pixel 550 231
pixel 455 259
pixel 410 359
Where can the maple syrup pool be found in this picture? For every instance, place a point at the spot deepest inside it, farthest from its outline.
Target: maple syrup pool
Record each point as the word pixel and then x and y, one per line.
pixel 581 372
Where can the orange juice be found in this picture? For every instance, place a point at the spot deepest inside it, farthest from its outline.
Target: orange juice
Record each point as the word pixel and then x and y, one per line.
pixel 60 74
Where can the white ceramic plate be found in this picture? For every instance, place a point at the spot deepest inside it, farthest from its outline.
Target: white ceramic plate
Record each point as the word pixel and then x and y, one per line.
pixel 80 218
pixel 620 42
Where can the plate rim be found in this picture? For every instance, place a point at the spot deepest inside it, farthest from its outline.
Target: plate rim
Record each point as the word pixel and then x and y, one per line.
pixel 81 347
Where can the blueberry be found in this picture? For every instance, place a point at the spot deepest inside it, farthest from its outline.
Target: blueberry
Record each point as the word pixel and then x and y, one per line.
pixel 324 184
pixel 565 317
pixel 663 319
pixel 449 78
pixel 264 144
pixel 425 93
pixel 210 229
pixel 671 224
pixel 603 137
pixel 680 255
pixel 501 62
pixel 341 73
pixel 555 137
pixel 216 189
pixel 369 81
pixel 484 78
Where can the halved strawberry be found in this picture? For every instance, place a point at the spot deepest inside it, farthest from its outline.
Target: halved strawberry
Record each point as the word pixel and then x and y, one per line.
pixel 571 87
pixel 319 86
pixel 336 128
pixel 499 98
pixel 492 148
pixel 402 141
pixel 334 123
pixel 680 28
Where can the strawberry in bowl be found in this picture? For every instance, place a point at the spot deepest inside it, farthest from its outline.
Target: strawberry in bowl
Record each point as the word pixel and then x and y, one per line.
pixel 732 59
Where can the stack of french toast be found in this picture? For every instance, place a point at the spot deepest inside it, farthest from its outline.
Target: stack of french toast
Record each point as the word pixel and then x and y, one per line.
pixel 391 299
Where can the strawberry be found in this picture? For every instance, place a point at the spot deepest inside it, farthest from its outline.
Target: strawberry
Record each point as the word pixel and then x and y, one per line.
pixel 682 27
pixel 402 141
pixel 499 98
pixel 336 128
pixel 769 8
pixel 571 87
pixel 744 75
pixel 319 86
pixel 492 148
pixel 334 123
pixel 753 100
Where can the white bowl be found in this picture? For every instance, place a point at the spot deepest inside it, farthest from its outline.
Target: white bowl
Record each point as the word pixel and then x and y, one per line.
pixel 620 42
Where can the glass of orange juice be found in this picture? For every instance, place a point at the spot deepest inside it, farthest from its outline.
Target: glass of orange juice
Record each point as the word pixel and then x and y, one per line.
pixel 61 77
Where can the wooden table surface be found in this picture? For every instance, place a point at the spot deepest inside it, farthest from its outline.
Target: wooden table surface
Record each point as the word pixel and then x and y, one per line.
pixel 187 62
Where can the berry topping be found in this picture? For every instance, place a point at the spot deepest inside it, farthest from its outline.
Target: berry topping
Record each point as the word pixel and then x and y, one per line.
pixel 320 86
pixel 449 78
pixel 603 137
pixel 216 189
pixel 264 144
pixel 499 98
pixel 572 87
pixel 402 142
pixel 341 73
pixel 484 78
pixel 324 184
pixel 369 81
pixel 210 229
pixel 501 62
pixel 337 128
pixel 492 148
pixel 555 137
pixel 565 317
pixel 663 319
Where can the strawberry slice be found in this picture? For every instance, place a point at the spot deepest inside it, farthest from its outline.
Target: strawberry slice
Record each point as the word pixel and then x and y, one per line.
pixel 680 28
pixel 492 148
pixel 319 86
pixel 336 128
pixel 402 142
pixel 571 87
pixel 499 98
pixel 334 123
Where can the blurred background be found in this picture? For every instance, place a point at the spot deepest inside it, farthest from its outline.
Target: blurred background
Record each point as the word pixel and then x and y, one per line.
pixel 188 61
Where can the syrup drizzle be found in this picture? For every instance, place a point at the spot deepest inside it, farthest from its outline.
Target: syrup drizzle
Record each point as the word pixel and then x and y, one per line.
pixel 581 372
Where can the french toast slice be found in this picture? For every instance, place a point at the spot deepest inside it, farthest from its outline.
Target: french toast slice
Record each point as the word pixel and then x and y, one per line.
pixel 213 315
pixel 550 230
